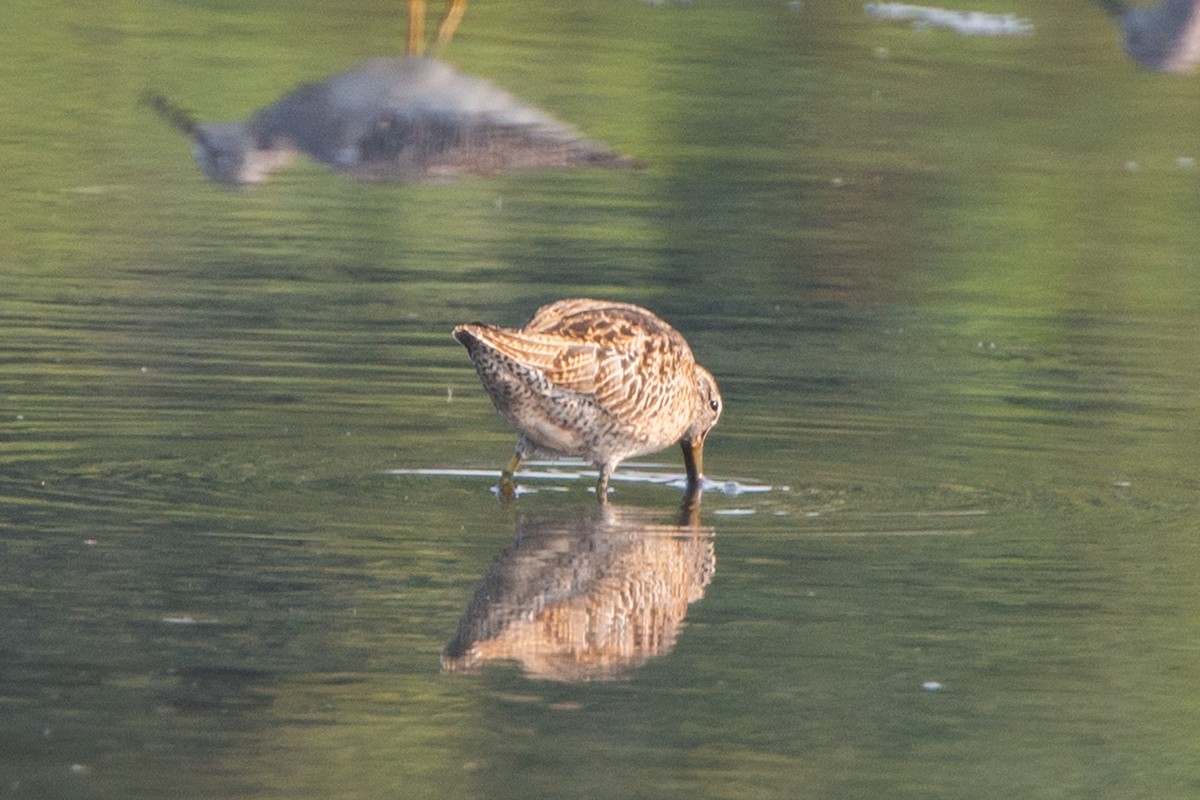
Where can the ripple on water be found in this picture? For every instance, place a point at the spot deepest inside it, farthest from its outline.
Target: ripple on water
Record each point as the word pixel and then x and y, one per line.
pixel 631 473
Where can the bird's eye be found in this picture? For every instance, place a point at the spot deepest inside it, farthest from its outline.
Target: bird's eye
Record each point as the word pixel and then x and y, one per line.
pixel 714 404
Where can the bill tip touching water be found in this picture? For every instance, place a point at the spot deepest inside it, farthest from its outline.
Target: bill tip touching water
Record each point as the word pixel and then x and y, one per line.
pixel 601 380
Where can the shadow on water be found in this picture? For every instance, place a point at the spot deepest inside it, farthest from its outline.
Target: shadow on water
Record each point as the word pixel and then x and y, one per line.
pixel 586 594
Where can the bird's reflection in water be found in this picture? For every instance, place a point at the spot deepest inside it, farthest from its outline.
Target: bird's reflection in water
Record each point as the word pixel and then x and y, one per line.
pixel 587 595
pixel 1164 36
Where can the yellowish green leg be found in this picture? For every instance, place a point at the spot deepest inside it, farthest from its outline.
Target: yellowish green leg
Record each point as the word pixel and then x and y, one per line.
pixel 508 485
pixel 416 27
pixel 602 484
pixel 454 15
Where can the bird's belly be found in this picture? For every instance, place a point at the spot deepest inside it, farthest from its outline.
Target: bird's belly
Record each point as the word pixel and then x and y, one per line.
pixel 568 425
pixel 603 442
pixel 549 438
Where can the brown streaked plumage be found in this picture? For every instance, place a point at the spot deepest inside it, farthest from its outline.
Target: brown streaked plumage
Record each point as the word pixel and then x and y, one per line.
pixel 601 380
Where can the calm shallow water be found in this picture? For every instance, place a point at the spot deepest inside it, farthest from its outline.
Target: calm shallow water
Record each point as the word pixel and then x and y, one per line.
pixel 948 285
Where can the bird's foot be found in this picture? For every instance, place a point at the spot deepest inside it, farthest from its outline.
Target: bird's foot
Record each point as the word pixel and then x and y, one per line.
pixel 507 491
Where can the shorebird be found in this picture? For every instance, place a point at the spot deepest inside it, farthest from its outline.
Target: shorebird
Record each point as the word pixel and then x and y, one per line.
pixel 408 118
pixel 600 380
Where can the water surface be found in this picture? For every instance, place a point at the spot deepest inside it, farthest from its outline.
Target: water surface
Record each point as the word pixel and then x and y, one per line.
pixel 947 284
